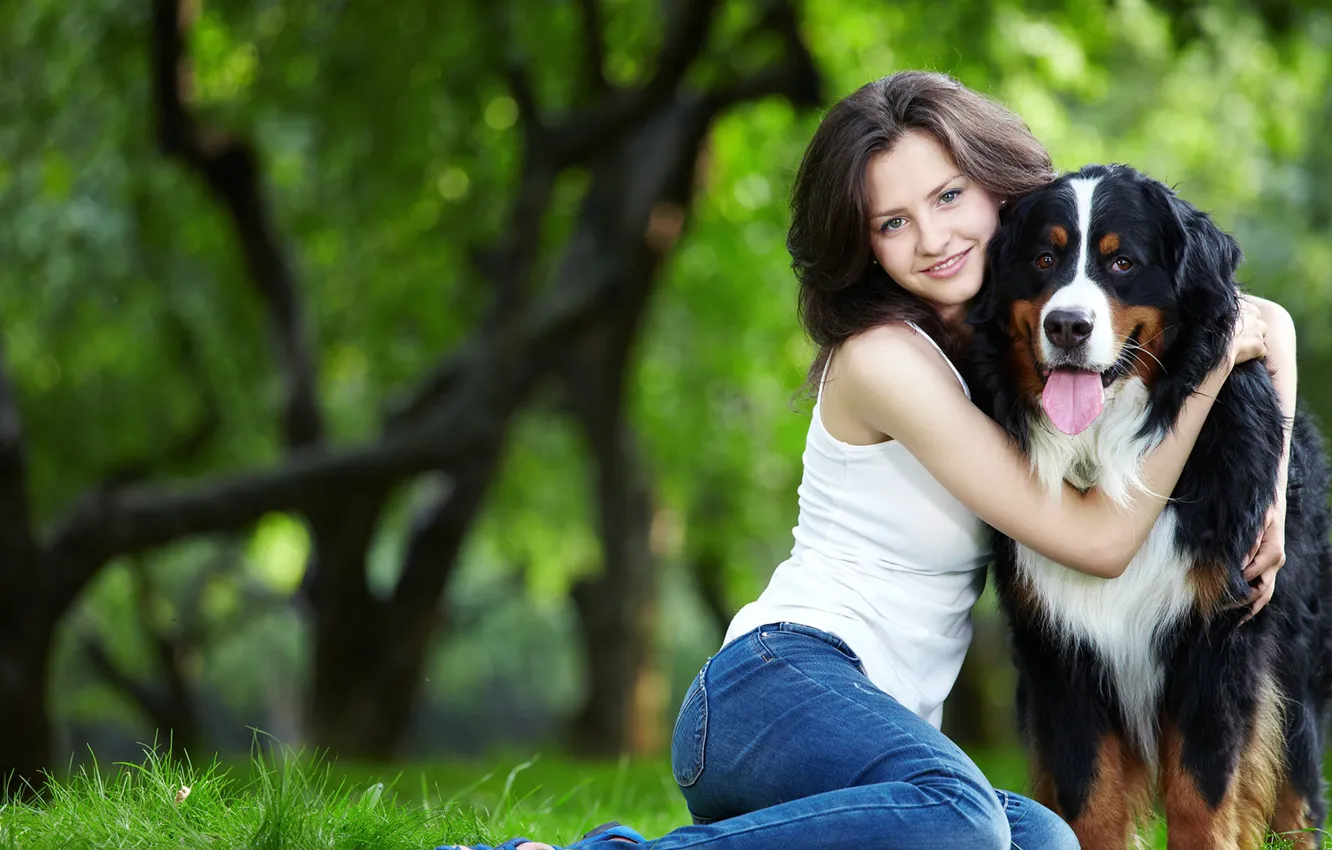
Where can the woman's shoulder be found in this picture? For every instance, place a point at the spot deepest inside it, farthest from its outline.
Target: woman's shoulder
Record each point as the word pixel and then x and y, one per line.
pixel 893 352
pixel 882 377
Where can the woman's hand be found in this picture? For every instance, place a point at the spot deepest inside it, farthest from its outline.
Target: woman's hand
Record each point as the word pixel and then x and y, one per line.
pixel 1250 338
pixel 1266 558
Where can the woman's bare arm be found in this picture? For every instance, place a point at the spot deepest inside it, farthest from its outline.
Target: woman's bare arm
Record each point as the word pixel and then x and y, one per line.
pixel 896 383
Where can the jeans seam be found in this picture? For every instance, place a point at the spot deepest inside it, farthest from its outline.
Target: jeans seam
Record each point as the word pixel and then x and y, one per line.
pixel 818 814
pixel 1008 798
pixel 760 647
pixel 767 654
pixel 834 640
pixel 700 737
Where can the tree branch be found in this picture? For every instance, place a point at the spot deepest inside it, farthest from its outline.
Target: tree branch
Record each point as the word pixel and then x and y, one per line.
pixel 594 48
pixel 436 538
pixel 585 131
pixel 797 77
pixel 230 169
pixel 499 368
pixel 509 263
pixel 169 702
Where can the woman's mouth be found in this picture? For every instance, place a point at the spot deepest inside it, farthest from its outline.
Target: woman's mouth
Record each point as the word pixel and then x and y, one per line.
pixel 948 267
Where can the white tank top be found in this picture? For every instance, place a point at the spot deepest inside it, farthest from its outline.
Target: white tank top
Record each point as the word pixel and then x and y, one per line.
pixel 886 559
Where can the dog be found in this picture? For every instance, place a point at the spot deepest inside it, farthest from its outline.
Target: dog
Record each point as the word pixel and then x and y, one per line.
pixel 1109 299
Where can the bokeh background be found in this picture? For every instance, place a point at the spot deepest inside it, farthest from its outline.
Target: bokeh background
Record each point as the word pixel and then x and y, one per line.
pixel 418 379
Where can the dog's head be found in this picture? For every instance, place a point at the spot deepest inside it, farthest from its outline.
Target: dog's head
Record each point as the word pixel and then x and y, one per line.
pixel 1102 278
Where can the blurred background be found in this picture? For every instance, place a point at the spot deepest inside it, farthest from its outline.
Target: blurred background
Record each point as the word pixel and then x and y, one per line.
pixel 418 379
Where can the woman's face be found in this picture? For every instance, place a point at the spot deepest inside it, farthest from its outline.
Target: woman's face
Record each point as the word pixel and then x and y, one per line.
pixel 929 224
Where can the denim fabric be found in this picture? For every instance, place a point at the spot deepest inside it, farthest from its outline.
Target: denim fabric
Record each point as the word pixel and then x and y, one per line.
pixel 782 742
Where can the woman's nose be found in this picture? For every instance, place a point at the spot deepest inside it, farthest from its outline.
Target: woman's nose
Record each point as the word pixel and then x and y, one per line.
pixel 930 240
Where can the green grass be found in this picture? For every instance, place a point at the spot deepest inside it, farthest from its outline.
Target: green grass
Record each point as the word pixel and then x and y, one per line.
pixel 286 801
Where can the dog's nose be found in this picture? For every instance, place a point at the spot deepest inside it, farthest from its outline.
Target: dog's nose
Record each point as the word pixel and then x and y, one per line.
pixel 1068 329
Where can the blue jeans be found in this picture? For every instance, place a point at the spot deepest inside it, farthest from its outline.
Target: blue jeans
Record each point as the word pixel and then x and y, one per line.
pixel 782 742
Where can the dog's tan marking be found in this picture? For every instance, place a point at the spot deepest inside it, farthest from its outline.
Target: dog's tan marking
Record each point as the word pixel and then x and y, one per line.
pixel 1291 821
pixel 1120 795
pixel 1191 824
pixel 1059 236
pixel 1124 320
pixel 1211 587
pixel 1262 764
pixel 1109 243
pixel 1240 821
pixel 1024 321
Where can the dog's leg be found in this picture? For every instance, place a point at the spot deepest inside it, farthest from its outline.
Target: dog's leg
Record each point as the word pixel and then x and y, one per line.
pixel 1262 765
pixel 1085 770
pixel 1293 821
pixel 1299 800
pixel 1220 789
pixel 1118 795
pixel 1195 818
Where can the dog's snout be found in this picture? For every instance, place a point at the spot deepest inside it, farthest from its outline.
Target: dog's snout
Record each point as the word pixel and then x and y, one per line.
pixel 1067 329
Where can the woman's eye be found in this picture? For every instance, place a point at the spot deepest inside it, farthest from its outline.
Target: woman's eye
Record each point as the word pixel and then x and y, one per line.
pixel 892 224
pixel 1122 264
pixel 1045 261
pixel 949 196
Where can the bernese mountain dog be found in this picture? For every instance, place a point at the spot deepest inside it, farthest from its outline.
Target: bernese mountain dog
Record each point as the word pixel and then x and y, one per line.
pixel 1109 300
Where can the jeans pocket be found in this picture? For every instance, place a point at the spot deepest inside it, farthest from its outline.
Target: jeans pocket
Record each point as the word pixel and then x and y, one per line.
pixel 691 731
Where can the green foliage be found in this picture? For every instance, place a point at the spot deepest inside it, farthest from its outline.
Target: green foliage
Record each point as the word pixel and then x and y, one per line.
pixel 282 800
pixel 390 142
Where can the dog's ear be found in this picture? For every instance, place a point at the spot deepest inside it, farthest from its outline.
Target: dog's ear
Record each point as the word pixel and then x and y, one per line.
pixel 1203 258
pixel 998 257
pixel 982 306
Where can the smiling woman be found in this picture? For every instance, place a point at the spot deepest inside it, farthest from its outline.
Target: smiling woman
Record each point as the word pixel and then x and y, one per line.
pixel 816 725
pixel 931 234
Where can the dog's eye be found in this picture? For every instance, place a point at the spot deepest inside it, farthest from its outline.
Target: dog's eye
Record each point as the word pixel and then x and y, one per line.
pixel 1045 261
pixel 1122 264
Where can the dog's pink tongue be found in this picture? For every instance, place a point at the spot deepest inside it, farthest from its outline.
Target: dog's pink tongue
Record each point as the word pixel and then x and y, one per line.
pixel 1073 399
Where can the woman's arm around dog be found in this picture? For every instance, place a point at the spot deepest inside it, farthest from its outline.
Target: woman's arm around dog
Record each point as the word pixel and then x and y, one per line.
pixel 891 384
pixel 1269 551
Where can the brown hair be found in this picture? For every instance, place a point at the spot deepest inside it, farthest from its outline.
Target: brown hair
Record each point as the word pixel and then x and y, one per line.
pixel 842 292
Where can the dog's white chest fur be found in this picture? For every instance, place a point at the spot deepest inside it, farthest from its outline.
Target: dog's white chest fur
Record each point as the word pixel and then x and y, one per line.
pixel 1121 619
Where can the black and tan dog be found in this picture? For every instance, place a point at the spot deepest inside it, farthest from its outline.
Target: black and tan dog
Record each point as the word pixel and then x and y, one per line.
pixel 1109 300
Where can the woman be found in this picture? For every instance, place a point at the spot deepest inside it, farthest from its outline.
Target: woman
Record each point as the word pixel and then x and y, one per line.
pixel 817 723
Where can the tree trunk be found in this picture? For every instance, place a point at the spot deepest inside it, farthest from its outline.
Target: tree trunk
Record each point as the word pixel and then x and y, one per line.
pixel 370 654
pixel 347 627
pixel 616 609
pixel 25 648
pixel 349 712
pixel 634 212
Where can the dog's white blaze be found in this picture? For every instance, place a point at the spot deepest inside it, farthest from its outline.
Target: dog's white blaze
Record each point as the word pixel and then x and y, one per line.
pixel 1082 293
pixel 1122 619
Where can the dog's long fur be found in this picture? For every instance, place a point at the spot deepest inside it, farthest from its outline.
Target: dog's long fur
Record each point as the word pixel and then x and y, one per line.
pixel 1148 683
